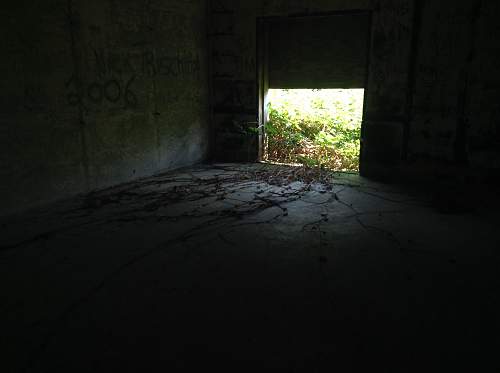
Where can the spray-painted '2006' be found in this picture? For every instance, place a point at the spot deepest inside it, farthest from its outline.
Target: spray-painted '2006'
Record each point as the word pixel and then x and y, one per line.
pixel 113 91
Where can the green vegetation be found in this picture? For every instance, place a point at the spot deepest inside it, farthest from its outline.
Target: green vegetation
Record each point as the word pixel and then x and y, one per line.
pixel 315 127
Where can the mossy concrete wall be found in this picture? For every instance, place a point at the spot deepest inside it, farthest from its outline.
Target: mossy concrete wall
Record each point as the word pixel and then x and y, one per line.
pixel 98 92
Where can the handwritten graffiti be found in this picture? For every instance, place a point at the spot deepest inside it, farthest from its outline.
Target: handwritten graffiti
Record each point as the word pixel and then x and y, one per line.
pixel 112 91
pixel 396 8
pixel 235 96
pixel 34 98
pixel 175 97
pixel 142 63
pixel 229 64
pixel 430 74
pixel 223 24
pixel 221 7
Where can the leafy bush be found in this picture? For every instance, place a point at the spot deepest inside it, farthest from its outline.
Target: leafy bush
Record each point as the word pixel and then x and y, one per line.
pixel 315 128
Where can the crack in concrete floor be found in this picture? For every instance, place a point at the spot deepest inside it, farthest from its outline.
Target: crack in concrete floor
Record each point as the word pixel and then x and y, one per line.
pixel 299 230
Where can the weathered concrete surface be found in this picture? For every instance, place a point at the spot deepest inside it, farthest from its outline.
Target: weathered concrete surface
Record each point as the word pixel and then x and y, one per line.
pixel 251 268
pixel 234 34
pixel 455 110
pixel 95 93
pixel 432 89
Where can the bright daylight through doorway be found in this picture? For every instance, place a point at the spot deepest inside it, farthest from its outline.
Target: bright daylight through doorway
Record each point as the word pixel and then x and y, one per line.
pixel 315 127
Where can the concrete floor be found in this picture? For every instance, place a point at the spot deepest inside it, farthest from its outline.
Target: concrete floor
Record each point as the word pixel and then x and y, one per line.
pixel 250 268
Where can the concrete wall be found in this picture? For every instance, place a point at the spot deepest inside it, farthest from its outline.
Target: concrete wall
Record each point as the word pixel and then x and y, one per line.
pixel 98 92
pixel 456 111
pixel 95 93
pixel 432 94
pixel 234 72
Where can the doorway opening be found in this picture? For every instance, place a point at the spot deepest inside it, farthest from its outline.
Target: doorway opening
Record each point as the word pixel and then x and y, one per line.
pixel 314 127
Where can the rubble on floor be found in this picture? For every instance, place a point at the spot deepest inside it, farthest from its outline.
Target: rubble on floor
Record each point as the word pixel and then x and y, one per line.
pixel 284 263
